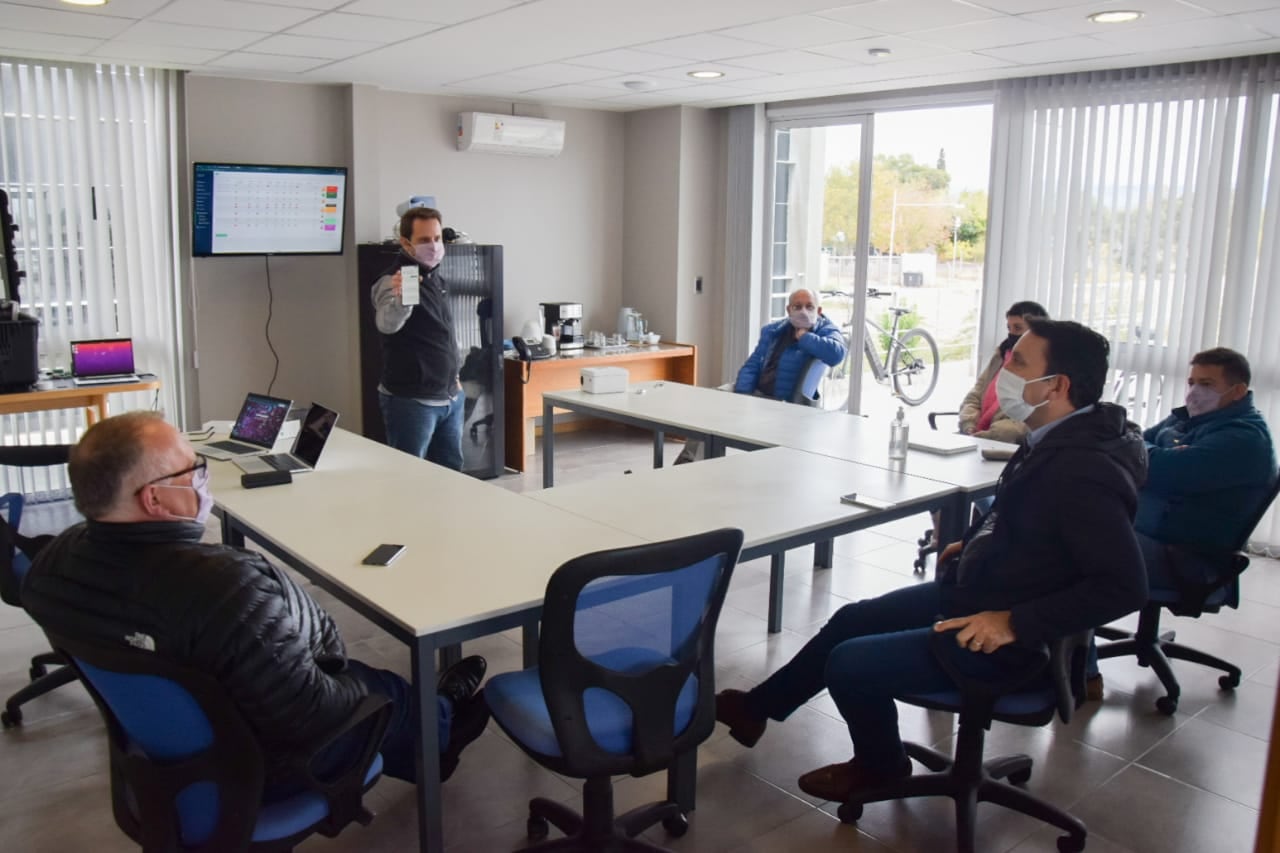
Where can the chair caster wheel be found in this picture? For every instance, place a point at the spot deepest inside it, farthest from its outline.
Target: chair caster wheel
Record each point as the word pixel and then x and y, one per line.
pixel 37 671
pixel 1070 844
pixel 9 719
pixel 536 829
pixel 849 812
pixel 1167 705
pixel 1022 777
pixel 1230 681
pixel 676 825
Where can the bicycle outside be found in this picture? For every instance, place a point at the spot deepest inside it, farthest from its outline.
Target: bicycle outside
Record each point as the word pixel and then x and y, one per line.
pixel 909 365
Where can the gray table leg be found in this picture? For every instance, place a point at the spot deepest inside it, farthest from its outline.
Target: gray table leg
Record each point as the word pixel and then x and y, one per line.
pixel 955 519
pixel 430 808
pixel 714 446
pixel 449 655
pixel 548 445
pixel 777 564
pixel 659 442
pixel 824 554
pixel 529 643
pixel 231 532
pixel 682 780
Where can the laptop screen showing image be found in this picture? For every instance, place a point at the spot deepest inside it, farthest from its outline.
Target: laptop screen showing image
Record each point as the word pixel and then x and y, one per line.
pixel 101 358
pixel 260 420
pixel 314 433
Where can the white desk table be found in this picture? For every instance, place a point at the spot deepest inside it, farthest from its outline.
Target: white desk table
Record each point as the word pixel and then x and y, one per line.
pixel 743 491
pixel 476 561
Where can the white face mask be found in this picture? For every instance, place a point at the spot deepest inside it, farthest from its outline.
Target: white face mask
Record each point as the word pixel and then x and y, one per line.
pixel 1009 388
pixel 1202 399
pixel 204 498
pixel 803 318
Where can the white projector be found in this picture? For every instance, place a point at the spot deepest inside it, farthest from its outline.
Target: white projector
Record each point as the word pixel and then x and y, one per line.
pixel 604 380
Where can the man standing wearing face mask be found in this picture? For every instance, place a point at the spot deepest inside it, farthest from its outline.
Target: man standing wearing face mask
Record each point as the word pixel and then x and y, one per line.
pixel 138 574
pixel 420 396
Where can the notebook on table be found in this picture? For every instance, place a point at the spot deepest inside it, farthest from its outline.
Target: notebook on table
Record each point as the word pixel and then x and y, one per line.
pixel 307 447
pixel 944 443
pixel 256 428
pixel 103 362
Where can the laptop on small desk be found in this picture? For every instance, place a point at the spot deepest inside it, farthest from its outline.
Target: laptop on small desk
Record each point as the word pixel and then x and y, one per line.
pixel 307 446
pixel 102 362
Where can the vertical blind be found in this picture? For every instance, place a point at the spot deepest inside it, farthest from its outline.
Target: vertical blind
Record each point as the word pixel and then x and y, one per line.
pixel 87 158
pixel 1145 203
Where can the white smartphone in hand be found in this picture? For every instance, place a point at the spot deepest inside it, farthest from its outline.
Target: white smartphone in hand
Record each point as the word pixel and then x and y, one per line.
pixel 409 285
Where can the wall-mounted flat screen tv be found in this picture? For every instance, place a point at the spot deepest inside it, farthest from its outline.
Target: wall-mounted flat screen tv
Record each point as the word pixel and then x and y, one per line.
pixel 248 209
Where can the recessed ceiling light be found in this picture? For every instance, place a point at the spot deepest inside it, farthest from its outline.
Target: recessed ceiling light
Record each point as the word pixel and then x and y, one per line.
pixel 638 85
pixel 878 52
pixel 706 75
pixel 85 2
pixel 1115 16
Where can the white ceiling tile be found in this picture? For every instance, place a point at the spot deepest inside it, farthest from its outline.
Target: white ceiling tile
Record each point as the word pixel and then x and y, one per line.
pixel 656 84
pixel 319 48
pixel 626 60
pixel 17 17
pixel 165 55
pixel 948 64
pixel 1267 22
pixel 703 47
pixel 797 31
pixel 1198 33
pixel 1155 13
pixel 812 79
pixel 573 91
pixel 435 11
pixel 900 47
pixel 1022 7
pixel 635 100
pixel 996 32
pixel 18 40
pixel 180 35
pixel 1229 7
pixel 560 72
pixel 896 16
pixel 709 92
pixel 320 5
pixel 495 84
pixel 1059 50
pixel 266 62
pixel 258 17
pixel 115 9
pixel 364 27
pixel 788 61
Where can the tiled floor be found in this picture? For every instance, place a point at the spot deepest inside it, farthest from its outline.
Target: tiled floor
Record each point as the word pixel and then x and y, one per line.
pixel 1141 781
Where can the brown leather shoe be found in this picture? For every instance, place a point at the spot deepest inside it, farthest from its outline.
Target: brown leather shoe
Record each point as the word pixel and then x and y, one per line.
pixel 837 782
pixel 1093 688
pixel 744 726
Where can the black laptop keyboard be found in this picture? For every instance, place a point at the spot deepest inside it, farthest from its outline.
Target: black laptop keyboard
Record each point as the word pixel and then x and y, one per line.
pixel 233 447
pixel 282 462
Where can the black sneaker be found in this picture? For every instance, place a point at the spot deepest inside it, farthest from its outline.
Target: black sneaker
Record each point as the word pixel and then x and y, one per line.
pixel 459 682
pixel 470 718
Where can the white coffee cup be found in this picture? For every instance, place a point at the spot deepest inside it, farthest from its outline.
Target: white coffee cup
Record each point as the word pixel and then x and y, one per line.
pixel 549 343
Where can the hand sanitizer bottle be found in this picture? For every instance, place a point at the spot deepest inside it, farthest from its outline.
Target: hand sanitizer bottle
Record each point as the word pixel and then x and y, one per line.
pixel 898 428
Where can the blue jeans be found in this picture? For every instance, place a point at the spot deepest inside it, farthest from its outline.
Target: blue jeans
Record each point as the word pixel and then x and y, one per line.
pixel 868 653
pixel 433 433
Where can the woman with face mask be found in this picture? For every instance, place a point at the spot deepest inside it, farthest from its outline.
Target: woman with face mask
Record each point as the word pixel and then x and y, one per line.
pixel 980 413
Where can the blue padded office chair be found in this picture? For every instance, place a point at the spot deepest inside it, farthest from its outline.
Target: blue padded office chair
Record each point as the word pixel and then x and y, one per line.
pixel 625 681
pixel 1051 686
pixel 186 770
pixel 1153 648
pixel 16 552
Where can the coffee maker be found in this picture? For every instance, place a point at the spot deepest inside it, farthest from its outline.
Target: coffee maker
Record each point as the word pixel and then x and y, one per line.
pixel 564 322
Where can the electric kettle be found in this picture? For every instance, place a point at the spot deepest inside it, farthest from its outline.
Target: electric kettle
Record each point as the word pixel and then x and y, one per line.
pixel 630 324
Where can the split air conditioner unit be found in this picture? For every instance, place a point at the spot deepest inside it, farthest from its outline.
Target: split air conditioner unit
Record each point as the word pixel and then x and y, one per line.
pixel 498 134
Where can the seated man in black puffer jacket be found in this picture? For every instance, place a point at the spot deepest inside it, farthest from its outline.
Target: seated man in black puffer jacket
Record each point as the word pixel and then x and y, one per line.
pixel 1055 555
pixel 136 573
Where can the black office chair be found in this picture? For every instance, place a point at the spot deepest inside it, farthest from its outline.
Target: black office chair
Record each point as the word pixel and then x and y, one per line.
pixel 187 773
pixel 1051 686
pixel 625 681
pixel 16 553
pixel 1153 648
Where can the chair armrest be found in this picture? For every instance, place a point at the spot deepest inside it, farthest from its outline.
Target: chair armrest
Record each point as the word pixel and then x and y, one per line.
pixel 345 792
pixel 933 418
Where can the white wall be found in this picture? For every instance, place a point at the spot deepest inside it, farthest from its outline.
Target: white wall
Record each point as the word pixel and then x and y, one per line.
pixel 702 186
pixel 651 212
pixel 233 120
pixel 559 220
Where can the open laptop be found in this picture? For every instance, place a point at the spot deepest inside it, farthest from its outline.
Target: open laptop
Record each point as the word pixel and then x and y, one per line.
pixel 102 362
pixel 312 436
pixel 256 428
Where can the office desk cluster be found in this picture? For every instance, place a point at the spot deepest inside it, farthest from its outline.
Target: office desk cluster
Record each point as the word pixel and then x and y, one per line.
pixel 438 594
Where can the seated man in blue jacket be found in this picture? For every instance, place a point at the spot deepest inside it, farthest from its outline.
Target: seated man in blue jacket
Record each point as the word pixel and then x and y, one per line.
pixel 778 364
pixel 1056 555
pixel 1210 464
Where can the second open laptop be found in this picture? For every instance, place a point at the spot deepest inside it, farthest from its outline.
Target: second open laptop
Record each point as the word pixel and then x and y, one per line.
pixel 256 428
pixel 102 362
pixel 312 436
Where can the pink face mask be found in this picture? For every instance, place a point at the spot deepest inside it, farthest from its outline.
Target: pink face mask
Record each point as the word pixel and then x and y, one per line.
pixel 429 254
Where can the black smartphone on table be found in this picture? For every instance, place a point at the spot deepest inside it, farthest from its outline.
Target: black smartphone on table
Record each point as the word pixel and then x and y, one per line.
pixel 383 555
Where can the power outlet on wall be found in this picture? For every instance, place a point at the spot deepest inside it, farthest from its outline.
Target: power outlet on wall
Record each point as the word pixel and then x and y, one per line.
pixel 697 284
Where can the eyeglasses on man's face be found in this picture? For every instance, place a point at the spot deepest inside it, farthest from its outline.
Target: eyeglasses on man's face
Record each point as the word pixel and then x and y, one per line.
pixel 199 475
